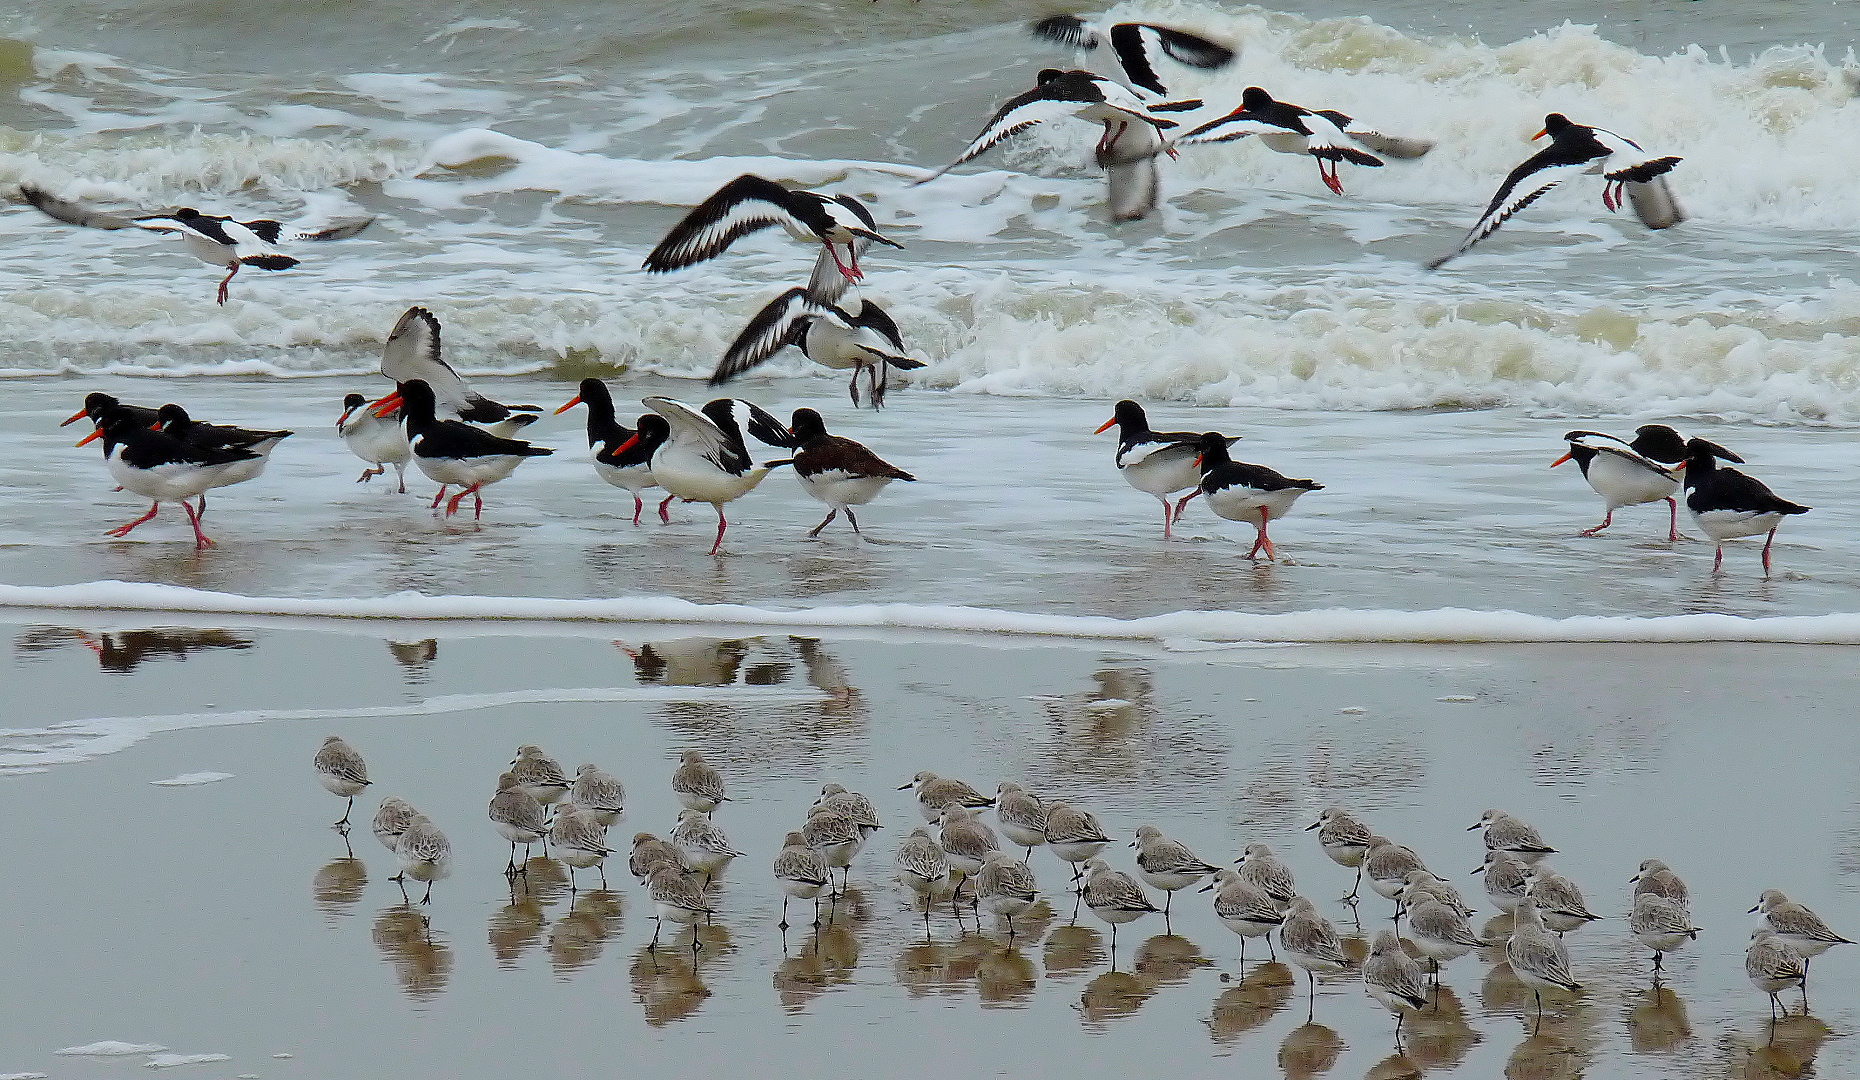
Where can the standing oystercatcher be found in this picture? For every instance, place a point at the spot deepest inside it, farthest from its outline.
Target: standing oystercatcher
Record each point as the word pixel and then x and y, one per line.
pixel 161 468
pixel 1631 473
pixel 866 341
pixel 413 352
pixel 632 468
pixel 218 241
pixel 174 421
pixel 1136 46
pixel 1728 504
pixel 1250 493
pixel 1294 129
pixel 377 440
pixel 453 452
pixel 751 203
pixel 1159 462
pixel 1577 150
pixel 837 471
pixel 96 404
pixel 706 459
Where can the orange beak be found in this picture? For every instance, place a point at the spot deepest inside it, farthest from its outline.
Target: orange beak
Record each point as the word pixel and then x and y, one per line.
pixel 623 447
pixel 156 426
pixel 1102 428
pixel 75 417
pixel 387 404
pixel 572 402
pixel 1561 460
pixel 1198 458
pixel 92 437
pixel 1540 134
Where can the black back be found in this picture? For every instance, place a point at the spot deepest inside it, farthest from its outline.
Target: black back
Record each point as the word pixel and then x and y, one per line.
pixel 1712 488
pixel 176 423
pixel 146 448
pixel 1256 102
pixel 452 438
pixel 1219 470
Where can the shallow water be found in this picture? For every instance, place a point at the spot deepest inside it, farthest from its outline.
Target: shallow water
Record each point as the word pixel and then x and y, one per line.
pixel 170 918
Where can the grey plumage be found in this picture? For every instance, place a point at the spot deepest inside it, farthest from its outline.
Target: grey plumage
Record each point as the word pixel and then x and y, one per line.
pixel 1559 902
pixel 1503 832
pixel 1506 879
pixel 392 819
pixel 1022 816
pixel 539 774
pixel 697 785
pixel 1654 877
pixel 935 792
pixel 1773 965
pixel 597 793
pixel 1245 909
pixel 1388 864
pixel 650 852
pixel 1392 977
pixel 922 866
pixel 1262 869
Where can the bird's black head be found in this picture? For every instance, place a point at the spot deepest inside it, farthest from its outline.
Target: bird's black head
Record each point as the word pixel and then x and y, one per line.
pixel 172 415
pixel 1213 446
pixel 653 429
pixel 807 425
pixel 1660 443
pixel 1049 74
pixel 1554 124
pixel 351 401
pixel 594 392
pixel 1129 418
pixel 1255 98
pixel 96 403
pixel 186 213
pixel 1702 455
pixel 417 401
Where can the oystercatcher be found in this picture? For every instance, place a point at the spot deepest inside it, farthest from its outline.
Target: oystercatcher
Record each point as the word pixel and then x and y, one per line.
pixel 174 421
pixel 377 440
pixel 451 452
pixel 1250 493
pixel 751 203
pixel 96 404
pixel 161 468
pixel 866 341
pixel 413 352
pixel 1159 462
pixel 1728 504
pixel 218 241
pixel 705 459
pixel 1293 129
pixel 1126 150
pixel 837 471
pixel 1136 46
pixel 1580 150
pixel 631 469
pixel 1631 473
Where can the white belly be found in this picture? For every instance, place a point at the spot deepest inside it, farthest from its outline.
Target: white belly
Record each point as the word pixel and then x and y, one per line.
pixel 241 471
pixel 693 477
pixel 838 490
pixel 634 478
pixel 1731 524
pixel 465 472
pixel 377 442
pixel 1166 469
pixel 164 483
pixel 1245 504
pixel 208 250
pixel 1289 142
pixel 833 347
pixel 1623 483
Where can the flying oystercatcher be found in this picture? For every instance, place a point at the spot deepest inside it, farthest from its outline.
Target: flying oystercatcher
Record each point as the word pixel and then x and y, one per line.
pixel 864 341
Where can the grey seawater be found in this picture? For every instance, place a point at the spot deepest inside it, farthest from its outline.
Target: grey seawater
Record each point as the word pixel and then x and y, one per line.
pixel 227 918
pixel 1018 506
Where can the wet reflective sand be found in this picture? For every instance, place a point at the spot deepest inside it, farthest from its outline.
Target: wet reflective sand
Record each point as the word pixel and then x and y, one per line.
pixel 228 918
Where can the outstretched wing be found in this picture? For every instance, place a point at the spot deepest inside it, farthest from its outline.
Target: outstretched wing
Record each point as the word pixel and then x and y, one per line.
pixel 1191 49
pixel 745 205
pixel 1052 100
pixel 878 320
pixel 1235 125
pixel 1137 45
pixel 413 352
pixel 1524 186
pixel 1068 30
pixel 780 323
pixel 692 426
pixel 274 231
pixel 72 213
pixel 826 284
pixel 1329 142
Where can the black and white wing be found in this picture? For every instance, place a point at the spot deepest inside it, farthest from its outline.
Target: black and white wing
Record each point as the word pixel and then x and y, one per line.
pixel 782 322
pixel 73 213
pixel 413 352
pixel 1054 99
pixel 1235 125
pixel 1329 142
pixel 1388 146
pixel 752 418
pixel 1136 46
pixel 273 232
pixel 247 246
pixel 1627 162
pixel 827 284
pixel 745 205
pixel 691 426
pixel 1525 185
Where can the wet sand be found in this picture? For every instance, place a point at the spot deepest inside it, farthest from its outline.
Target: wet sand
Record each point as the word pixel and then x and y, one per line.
pixel 227 918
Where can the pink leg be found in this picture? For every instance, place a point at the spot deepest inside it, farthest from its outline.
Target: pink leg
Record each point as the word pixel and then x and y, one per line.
pixel 851 273
pixel 123 530
pixel 1264 541
pixel 370 474
pixel 1166 518
pixel 1672 525
pixel 1605 522
pixel 227 280
pixel 1180 506
pixel 477 503
pixel 1718 563
pixel 663 515
pixel 1766 551
pixel 639 506
pixel 200 538
pixel 452 504
pixel 721 525
pixel 438 498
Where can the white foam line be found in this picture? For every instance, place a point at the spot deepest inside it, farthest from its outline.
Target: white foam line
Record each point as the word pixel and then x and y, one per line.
pixel 1336 625
pixel 81 740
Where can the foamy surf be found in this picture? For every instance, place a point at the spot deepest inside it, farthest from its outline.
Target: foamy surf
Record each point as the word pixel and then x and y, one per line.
pixel 1335 626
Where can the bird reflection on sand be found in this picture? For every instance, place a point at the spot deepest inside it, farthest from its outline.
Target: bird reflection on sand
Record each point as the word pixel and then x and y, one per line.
pixel 576 939
pixel 1112 996
pixel 122 651
pixel 421 960
pixel 825 961
pixel 517 926
pixel 1656 1020
pixel 414 657
pixel 1773 1050
pixel 338 885
pixel 1073 950
pixel 1310 1051
pixel 1262 994
pixel 1438 1037
pixel 666 984
pixel 1005 978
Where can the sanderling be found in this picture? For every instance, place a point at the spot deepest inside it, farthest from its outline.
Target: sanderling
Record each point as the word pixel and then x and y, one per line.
pixel 649 853
pixel 698 786
pixel 922 868
pixel 860 830
pixel 1510 834
pixel 1661 925
pixel 1559 902
pixel 1393 978
pixel 837 838
pixel 1005 887
pixel 1245 909
pixel 517 818
pixel 1074 834
pixel 1022 817
pixel 853 805
pixel 539 774
pixel 1537 957
pixel 801 872
pixel 703 844
pixel 1345 840
pixel 1654 877
pixel 1311 942
pixel 1388 864
pixel 1167 864
pixel 1507 880
pixel 580 842
pixel 424 853
pixel 1773 966
pixel 1267 872
pixel 597 793
pixel 678 898
pixel 1800 927
pixel 966 843
pixel 935 792
pixel 342 772
pixel 392 819
pixel 1425 883
pixel 1441 933
pixel 1115 897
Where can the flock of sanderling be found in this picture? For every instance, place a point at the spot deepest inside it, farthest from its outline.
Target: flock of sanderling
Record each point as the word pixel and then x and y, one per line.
pixel 962 863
